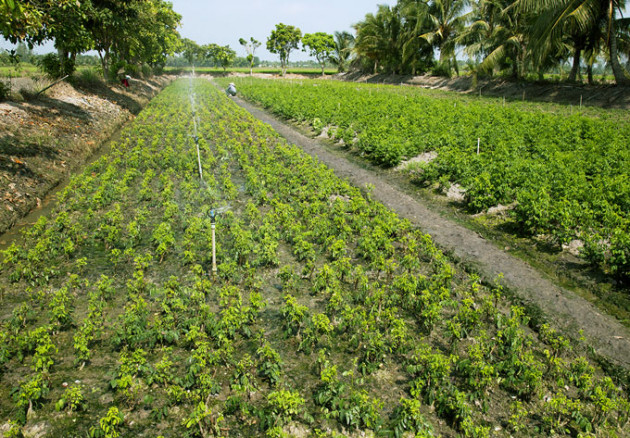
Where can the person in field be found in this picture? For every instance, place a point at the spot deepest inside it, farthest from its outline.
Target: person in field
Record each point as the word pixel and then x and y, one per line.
pixel 231 90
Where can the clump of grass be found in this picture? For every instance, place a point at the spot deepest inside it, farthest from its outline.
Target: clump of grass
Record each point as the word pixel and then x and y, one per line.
pixel 5 91
pixel 87 78
pixel 28 93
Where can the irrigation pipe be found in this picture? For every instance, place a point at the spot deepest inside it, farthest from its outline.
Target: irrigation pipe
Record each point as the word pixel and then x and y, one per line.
pixel 52 85
pixel 193 107
pixel 195 130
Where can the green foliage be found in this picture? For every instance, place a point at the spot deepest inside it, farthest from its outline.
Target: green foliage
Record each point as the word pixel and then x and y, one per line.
pixel 294 315
pixel 29 395
pixel 72 399
pixel 554 166
pixel 203 418
pixel 284 39
pixel 4 92
pixel 269 364
pixel 319 45
pixel 51 65
pixel 408 417
pixel 163 239
pixel 221 55
pixel 349 307
pixel 109 425
pixel 283 406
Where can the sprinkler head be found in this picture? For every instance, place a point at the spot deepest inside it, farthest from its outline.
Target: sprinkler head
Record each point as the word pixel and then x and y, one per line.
pixel 213 215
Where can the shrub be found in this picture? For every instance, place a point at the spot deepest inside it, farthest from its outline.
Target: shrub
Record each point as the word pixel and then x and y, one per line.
pixel 88 78
pixel 51 65
pixel 147 71
pixel 4 91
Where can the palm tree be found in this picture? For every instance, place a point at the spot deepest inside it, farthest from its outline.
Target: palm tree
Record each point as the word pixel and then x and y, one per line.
pixel 416 51
pixel 509 39
pixel 378 39
pixel 446 21
pixel 588 18
pixel 344 42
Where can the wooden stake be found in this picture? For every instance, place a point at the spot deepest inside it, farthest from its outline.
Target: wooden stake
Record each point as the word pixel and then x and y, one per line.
pixel 214 253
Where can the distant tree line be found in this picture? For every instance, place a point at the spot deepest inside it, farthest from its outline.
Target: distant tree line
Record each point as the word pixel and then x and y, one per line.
pixel 125 34
pixel 509 37
pixel 514 38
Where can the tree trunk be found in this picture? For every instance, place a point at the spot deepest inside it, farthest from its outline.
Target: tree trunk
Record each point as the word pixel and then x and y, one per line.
pixel 104 55
pixel 515 69
pixel 63 56
pixel 589 72
pixel 455 66
pixel 617 68
pixel 284 61
pixel 576 65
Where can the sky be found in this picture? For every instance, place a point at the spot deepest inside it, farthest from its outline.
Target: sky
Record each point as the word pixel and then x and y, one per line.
pixel 224 22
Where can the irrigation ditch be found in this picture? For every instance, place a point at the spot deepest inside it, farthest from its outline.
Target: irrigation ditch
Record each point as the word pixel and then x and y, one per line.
pixel 46 139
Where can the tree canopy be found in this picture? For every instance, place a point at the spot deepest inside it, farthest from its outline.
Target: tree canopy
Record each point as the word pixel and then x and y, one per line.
pixel 284 39
pixel 320 45
pixel 220 55
pixel 514 38
pixel 132 32
pixel 250 48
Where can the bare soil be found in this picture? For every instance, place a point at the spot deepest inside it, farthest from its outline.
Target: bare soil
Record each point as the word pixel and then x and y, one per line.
pixel 560 307
pixel 44 139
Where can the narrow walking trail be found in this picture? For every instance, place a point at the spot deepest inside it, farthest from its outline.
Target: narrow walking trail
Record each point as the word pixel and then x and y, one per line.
pixel 562 308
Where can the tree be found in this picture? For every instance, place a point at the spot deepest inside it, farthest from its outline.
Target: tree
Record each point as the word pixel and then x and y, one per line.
pixel 108 21
pixel 132 32
pixel 157 36
pixel 319 45
pixel 344 43
pixel 589 17
pixel 190 50
pixel 282 41
pixel 498 36
pixel 250 48
pixel 378 40
pixel 417 53
pixel 34 22
pixel 220 55
pixel 29 21
pixel 69 34
pixel 446 20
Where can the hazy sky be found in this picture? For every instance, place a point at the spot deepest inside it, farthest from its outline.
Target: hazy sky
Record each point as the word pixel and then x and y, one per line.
pixel 224 22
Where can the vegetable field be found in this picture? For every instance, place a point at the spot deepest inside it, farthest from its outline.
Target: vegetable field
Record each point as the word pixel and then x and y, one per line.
pixel 564 175
pixel 328 315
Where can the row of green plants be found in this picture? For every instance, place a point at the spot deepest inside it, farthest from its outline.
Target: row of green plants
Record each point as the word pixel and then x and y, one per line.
pixel 328 315
pixel 564 174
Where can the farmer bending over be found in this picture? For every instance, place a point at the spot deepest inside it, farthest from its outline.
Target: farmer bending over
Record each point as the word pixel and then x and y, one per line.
pixel 231 89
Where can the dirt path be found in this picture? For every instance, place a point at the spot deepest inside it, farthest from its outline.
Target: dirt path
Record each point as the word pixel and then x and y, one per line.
pixel 562 308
